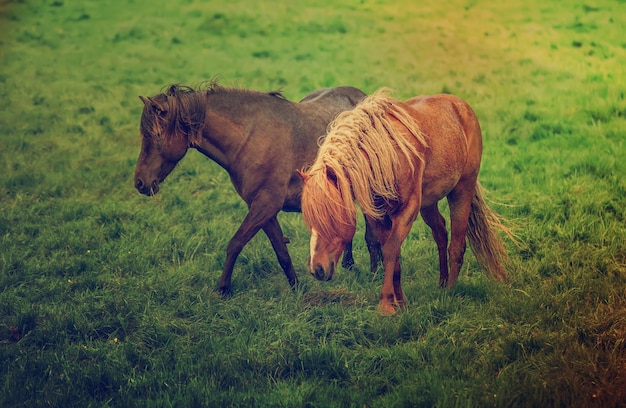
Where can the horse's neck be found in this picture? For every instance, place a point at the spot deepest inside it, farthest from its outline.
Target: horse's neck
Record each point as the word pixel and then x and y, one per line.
pixel 215 140
pixel 228 120
pixel 225 131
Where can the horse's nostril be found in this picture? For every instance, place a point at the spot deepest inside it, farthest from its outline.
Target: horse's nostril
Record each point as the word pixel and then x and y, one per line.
pixel 319 272
pixel 139 184
pixel 154 186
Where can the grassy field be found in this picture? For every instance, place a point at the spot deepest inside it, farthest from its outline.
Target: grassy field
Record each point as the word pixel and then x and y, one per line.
pixel 107 298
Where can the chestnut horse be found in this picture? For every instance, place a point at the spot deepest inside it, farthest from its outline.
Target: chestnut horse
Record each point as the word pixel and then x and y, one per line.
pixel 260 139
pixel 398 160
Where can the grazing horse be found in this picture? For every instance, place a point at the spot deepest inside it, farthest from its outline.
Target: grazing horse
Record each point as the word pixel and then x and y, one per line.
pixel 260 139
pixel 398 160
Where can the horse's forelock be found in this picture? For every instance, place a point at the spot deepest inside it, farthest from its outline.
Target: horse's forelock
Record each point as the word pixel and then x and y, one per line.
pixel 326 208
pixel 182 111
pixel 152 119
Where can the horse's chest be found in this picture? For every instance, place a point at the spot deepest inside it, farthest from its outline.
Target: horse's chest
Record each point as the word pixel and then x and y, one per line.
pixel 294 194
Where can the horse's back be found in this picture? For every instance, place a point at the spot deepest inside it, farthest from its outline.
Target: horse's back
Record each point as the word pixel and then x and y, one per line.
pixel 447 119
pixel 453 134
pixel 343 95
pixel 446 108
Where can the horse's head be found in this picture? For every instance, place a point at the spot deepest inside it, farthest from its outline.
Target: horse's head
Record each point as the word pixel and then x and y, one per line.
pixel 331 219
pixel 161 149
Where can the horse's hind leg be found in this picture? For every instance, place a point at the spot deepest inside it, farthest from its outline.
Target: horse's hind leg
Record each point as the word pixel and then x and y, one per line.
pixel 373 246
pixel 348 259
pixel 433 218
pixel 460 201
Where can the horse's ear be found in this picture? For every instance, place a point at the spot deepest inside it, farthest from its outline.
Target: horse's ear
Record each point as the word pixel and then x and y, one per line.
pixel 304 176
pixel 148 101
pixel 152 104
pixel 172 90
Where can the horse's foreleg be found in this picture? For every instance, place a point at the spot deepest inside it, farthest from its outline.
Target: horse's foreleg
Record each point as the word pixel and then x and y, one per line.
pixel 433 218
pixel 391 296
pixel 243 235
pixel 275 234
pixel 382 229
pixel 391 238
pixel 460 201
pixel 260 211
pixel 348 259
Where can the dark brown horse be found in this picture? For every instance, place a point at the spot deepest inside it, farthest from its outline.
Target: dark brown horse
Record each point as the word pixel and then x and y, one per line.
pixel 260 139
pixel 398 160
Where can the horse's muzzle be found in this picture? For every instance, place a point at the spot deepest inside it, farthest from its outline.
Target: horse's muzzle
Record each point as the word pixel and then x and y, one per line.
pixel 146 189
pixel 321 274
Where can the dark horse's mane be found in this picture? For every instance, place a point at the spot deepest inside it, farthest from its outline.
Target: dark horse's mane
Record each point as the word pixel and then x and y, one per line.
pixel 182 109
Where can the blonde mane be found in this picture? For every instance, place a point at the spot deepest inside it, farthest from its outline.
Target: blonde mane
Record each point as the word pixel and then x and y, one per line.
pixel 361 151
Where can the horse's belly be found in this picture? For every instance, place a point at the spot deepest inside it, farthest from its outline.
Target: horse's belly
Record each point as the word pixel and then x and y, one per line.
pixel 445 165
pixel 436 188
pixel 432 196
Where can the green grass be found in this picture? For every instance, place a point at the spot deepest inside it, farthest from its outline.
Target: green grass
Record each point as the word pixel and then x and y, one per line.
pixel 107 298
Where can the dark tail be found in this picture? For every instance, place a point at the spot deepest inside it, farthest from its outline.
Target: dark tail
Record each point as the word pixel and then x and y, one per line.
pixel 484 239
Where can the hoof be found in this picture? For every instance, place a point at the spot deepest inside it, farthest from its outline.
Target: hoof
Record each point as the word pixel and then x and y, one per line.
pixel 386 309
pixel 295 286
pixel 225 293
pixel 390 307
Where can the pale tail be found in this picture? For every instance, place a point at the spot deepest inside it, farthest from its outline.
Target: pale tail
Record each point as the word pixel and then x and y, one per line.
pixel 484 226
